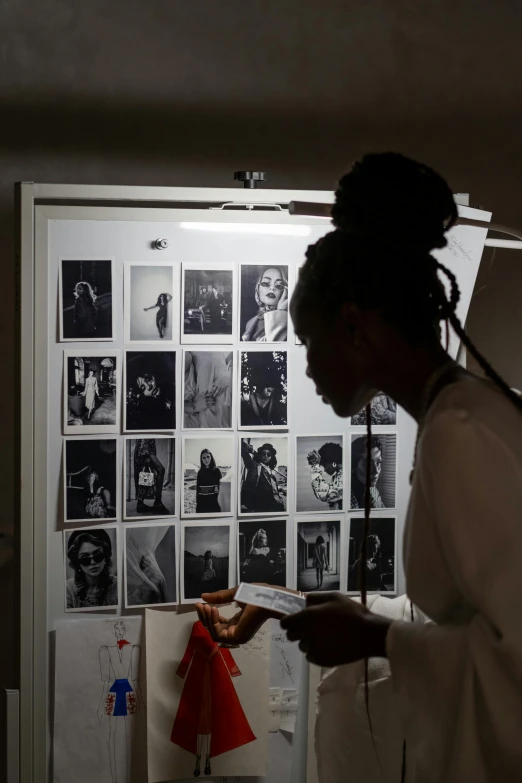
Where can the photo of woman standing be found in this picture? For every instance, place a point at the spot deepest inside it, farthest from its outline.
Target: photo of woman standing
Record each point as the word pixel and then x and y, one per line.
pixel 148 296
pixel 208 475
pixel 86 300
pixel 207 485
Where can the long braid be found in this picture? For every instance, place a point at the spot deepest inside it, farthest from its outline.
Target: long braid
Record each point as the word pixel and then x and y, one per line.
pixel 363 559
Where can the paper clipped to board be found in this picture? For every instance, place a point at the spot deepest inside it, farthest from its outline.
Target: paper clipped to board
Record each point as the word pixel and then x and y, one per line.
pixel 270 598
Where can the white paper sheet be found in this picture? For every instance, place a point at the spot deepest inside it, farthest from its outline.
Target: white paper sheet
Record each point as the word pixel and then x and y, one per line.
pixel 285 659
pixel 89 744
pixel 167 636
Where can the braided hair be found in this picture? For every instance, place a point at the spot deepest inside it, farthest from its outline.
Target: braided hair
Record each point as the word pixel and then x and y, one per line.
pixel 390 212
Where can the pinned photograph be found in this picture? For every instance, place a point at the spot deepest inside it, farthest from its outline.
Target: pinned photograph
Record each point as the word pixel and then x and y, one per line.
pixel 206 560
pixel 85 300
pixel 151 572
pixel 150 477
pixel 148 314
pixel 150 391
pixel 262 551
pixel 264 299
pixel 208 389
pixel 208 301
pixel 319 481
pixel 318 555
pixel 92 392
pixel 264 475
pixel 91 569
pixel 383 471
pixel 90 479
pixel 383 412
pixel 208 475
pixel 381 548
pixel 263 390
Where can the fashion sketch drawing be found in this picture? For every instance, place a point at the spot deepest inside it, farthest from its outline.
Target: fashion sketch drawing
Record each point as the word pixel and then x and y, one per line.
pixel 119 701
pixel 210 719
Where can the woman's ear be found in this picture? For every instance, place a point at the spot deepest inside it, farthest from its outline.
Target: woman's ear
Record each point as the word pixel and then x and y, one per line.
pixel 351 322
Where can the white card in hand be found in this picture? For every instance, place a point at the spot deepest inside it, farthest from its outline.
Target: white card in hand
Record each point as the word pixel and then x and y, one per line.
pixel 270 598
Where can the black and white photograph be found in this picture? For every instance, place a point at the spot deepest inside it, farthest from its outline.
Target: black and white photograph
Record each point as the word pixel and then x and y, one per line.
pixel 208 475
pixel 86 300
pixel 208 390
pixel 206 560
pixel 149 307
pixel 92 392
pixel 90 478
pixel 383 471
pixel 151 572
pixel 150 391
pixel 91 569
pixel 208 300
pixel 381 549
pixel 319 473
pixel 262 551
pixel 263 390
pixel 150 477
pixel 264 296
pixel 318 555
pixel 264 474
pixel 383 412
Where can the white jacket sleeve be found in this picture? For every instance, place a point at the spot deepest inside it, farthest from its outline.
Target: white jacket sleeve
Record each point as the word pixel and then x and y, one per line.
pixel 459 686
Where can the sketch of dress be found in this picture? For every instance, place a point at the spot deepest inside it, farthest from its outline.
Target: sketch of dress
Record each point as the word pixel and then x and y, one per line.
pixel 209 714
pixel 119 665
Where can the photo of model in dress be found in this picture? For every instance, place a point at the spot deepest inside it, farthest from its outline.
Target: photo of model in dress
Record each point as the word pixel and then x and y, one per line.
pixel 264 475
pixel 91 568
pixel 91 392
pixel 384 412
pixel 383 472
pixel 262 551
pixel 264 298
pixel 208 470
pixel 206 560
pixel 148 315
pixel 150 391
pixel 150 476
pixel 263 390
pixel 208 389
pixel 381 549
pixel 86 300
pixel 208 296
pixel 90 479
pixel 319 481
pixel 150 565
pixel 318 555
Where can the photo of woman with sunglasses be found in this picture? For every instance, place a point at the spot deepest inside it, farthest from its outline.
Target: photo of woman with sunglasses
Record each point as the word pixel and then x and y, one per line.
pixel 91 574
pixel 264 303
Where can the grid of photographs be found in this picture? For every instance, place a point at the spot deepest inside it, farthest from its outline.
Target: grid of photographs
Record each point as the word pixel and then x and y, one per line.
pixel 181 473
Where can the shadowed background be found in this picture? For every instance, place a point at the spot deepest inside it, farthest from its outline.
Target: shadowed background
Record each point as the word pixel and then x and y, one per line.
pixel 182 94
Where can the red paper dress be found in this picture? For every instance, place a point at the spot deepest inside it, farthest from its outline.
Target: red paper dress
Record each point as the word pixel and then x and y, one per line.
pixel 209 703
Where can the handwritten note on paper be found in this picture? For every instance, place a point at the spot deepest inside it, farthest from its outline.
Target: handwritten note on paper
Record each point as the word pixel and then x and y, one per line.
pixel 285 662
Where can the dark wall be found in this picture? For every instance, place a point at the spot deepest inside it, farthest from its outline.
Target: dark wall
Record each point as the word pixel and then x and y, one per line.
pixel 183 93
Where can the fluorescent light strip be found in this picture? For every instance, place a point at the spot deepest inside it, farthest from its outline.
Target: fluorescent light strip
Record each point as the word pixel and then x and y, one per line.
pixel 282 229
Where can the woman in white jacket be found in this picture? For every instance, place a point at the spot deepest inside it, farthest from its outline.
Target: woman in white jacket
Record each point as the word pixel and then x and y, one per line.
pixel 368 307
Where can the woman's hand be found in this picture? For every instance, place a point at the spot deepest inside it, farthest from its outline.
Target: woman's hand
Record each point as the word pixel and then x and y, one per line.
pixel 283 302
pixel 237 629
pixel 333 630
